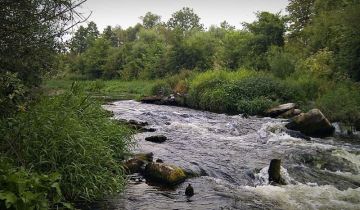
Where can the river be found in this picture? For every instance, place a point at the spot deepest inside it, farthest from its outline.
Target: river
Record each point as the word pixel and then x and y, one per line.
pixel 231 154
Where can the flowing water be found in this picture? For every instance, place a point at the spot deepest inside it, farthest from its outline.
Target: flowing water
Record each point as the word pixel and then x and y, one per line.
pixel 231 154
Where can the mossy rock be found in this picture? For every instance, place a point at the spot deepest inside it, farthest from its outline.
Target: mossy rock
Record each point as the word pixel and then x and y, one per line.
pixel 165 173
pixel 312 123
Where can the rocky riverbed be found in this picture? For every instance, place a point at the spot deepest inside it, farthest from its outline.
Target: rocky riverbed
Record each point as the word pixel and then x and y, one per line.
pixel 230 156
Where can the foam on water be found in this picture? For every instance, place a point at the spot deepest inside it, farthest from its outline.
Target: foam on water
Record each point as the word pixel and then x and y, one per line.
pixel 302 196
pixel 226 150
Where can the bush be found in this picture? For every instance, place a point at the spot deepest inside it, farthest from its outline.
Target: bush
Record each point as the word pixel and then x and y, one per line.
pixel 21 189
pixel 234 92
pixel 161 88
pixel 69 134
pixel 254 106
pixel 281 63
pixel 341 104
pixel 260 86
pixel 217 100
pixel 12 92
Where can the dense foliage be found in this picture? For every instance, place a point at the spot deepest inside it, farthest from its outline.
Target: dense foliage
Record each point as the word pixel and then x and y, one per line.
pixel 52 149
pixel 69 134
pixel 297 57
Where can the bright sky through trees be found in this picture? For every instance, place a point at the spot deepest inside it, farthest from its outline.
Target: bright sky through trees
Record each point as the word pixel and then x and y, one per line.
pixel 126 13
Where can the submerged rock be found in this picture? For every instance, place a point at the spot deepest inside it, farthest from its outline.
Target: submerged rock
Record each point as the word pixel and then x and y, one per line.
pixel 281 109
pixel 165 173
pixel 159 161
pixel 297 134
pixel 312 123
pixel 156 139
pixel 138 125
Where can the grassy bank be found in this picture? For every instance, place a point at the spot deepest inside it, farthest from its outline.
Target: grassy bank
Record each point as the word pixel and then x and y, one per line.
pixel 252 92
pixel 61 149
pixel 110 90
pixel 236 92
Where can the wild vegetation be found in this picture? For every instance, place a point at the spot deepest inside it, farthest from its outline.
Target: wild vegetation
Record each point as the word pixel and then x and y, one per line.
pixel 59 149
pixel 60 146
pixel 309 56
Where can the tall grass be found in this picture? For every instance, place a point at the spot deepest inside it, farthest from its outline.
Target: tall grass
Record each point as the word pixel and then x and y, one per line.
pixel 72 135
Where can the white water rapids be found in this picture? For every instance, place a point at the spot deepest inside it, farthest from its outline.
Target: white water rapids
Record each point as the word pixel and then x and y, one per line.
pixel 232 153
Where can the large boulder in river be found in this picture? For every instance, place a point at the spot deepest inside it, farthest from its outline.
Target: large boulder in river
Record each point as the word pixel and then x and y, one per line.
pixel 278 110
pixel 165 173
pixel 312 123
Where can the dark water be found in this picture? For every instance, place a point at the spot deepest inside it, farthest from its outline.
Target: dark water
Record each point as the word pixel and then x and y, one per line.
pixel 232 154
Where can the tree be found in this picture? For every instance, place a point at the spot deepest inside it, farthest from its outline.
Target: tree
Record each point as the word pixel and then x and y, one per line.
pixel 300 14
pixel 95 58
pixel 185 20
pixel 109 35
pixel 150 20
pixel 270 27
pixel 268 30
pixel 79 43
pixel 225 25
pixel 83 38
pixel 30 35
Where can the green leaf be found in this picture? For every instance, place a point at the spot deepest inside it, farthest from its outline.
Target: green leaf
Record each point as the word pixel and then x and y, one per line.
pixel 9 197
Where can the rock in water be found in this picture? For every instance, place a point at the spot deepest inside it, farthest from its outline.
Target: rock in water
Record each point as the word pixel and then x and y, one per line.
pixel 156 139
pixel 276 111
pixel 189 191
pixel 312 123
pixel 165 173
pixel 159 161
pixel 152 99
pixel 274 171
pixel 137 163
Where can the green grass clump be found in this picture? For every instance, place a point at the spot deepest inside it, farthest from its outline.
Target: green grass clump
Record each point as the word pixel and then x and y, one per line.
pixel 238 92
pixel 161 88
pixel 72 135
pixel 341 104
pixel 110 90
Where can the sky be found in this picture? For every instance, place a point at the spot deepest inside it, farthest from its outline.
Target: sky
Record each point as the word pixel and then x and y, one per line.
pixel 212 12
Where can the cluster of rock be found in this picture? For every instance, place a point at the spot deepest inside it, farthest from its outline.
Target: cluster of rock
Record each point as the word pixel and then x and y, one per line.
pixel 138 126
pixel 313 123
pixel 158 171
pixel 171 100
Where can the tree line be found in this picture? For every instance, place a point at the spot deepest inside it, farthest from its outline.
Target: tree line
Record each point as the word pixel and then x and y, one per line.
pixel 319 31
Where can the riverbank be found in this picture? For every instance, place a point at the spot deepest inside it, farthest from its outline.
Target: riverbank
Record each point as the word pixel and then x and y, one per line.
pixel 110 90
pixel 240 92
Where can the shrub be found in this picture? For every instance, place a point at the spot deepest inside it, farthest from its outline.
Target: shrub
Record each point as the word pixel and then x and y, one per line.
pixel 259 86
pixel 281 63
pixel 341 104
pixel 12 93
pixel 217 100
pixel 254 106
pixel 21 189
pixel 161 88
pixel 204 82
pixel 234 92
pixel 69 134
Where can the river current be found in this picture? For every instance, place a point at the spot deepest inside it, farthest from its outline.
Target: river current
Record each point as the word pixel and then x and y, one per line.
pixel 231 155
